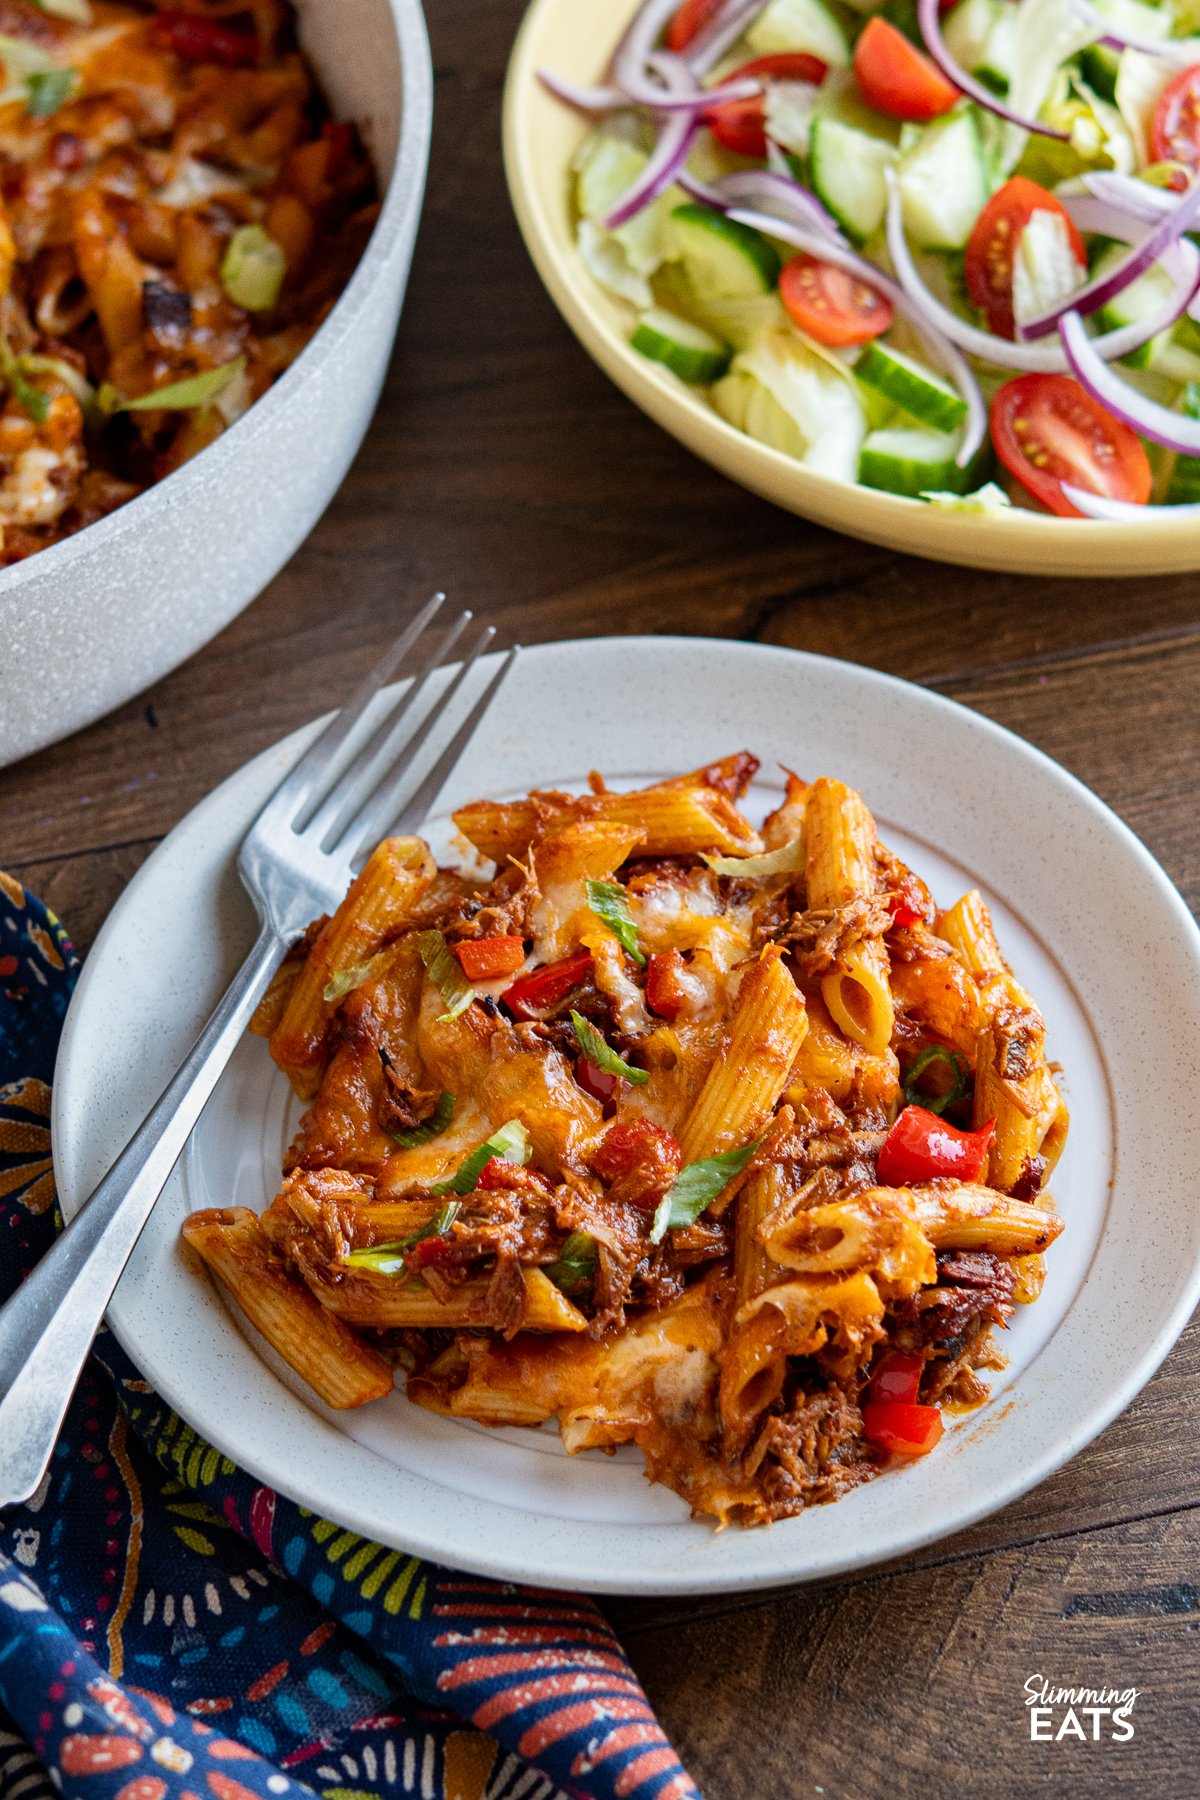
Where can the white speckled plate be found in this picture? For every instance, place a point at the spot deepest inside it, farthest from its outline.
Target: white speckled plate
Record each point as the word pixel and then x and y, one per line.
pixel 1090 922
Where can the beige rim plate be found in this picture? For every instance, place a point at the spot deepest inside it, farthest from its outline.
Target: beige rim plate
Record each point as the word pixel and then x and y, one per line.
pixel 575 38
pixel 1090 922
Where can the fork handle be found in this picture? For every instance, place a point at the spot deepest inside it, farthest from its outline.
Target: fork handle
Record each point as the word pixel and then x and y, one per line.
pixel 47 1327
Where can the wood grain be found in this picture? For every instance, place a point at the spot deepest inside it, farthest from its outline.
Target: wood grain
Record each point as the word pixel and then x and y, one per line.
pixel 505 468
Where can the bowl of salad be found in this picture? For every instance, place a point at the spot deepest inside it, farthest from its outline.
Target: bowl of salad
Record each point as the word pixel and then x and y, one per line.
pixel 928 274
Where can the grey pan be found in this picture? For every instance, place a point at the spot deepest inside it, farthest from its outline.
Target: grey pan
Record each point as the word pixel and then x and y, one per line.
pixel 97 618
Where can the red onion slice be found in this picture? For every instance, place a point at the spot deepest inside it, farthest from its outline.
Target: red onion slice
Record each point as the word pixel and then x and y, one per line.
pixel 1181 52
pixel 780 195
pixel 935 43
pixel 722 31
pixel 1103 288
pixel 1137 198
pixel 1099 506
pixel 666 160
pixel 1047 359
pixel 584 99
pixel 657 78
pixel 1144 416
pixel 830 250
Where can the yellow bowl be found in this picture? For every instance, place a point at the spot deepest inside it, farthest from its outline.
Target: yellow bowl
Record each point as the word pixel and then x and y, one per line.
pixel 574 38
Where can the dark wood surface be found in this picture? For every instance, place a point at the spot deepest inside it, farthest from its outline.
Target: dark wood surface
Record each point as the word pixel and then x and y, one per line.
pixel 505 468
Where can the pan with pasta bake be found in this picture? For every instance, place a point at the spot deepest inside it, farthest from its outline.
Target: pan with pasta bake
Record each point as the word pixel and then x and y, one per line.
pixel 727 1143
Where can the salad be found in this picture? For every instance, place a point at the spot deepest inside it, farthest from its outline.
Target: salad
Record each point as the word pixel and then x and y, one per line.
pixel 947 251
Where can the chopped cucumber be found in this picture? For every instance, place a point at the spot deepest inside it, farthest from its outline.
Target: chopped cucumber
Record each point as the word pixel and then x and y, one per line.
pixel 914 389
pixel 800 25
pixel 847 171
pixel 943 182
pixel 903 460
pixel 786 395
pixel 689 351
pixel 721 258
pixel 1142 296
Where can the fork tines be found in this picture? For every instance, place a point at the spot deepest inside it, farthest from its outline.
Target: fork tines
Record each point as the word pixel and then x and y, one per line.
pixel 358 793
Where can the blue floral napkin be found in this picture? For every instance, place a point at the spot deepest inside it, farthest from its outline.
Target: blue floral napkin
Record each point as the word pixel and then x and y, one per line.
pixel 171 1630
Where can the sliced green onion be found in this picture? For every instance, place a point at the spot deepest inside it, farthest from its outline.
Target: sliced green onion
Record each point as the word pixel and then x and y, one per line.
pixel 253 268
pixel 388 1259
pixel 787 860
pixel 76 384
pixel 78 11
pixel 178 396
pixel 47 89
pixel 695 1187
pixel 34 401
pixel 511 1142
pixel 959 1088
pixel 346 980
pixel 604 1057
pixel 575 1265
pixel 445 971
pixel 609 903
pixel 433 1126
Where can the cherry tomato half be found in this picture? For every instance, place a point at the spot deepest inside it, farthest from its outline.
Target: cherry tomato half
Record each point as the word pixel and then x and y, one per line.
pixel 904 1430
pixel 738 125
pixel 832 305
pixel 689 21
pixel 992 248
pixel 1046 430
pixel 1175 127
pixel 898 79
pixel 921 1147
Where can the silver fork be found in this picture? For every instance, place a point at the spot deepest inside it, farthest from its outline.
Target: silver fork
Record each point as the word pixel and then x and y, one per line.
pixel 295 862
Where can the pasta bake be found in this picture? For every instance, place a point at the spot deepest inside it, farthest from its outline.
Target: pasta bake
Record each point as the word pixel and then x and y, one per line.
pixel 178 213
pixel 723 1142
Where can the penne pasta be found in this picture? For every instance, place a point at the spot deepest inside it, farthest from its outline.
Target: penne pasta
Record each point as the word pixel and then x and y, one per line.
pixel 840 842
pixel 390 1302
pixel 752 1069
pixel 335 1363
pixel 618 1138
pixel 674 821
pixel 378 905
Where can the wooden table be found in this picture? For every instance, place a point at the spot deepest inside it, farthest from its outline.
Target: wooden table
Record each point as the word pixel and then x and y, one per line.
pixel 505 468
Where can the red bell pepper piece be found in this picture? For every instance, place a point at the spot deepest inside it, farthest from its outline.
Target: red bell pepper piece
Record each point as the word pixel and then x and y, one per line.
pixel 904 913
pixel 484 959
pixel 664 991
pixel 198 39
pixel 897 1378
pixel 903 1429
pixel 597 1082
pixel 921 1147
pixel 536 993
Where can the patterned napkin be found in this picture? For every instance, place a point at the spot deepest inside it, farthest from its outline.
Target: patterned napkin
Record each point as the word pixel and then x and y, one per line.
pixel 171 1630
